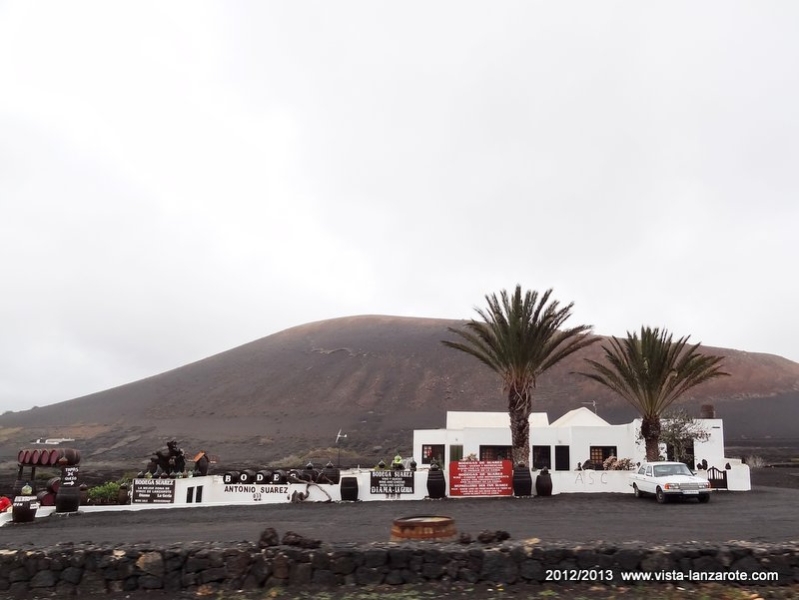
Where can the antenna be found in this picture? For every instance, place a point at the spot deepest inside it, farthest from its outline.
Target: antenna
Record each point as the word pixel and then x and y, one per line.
pixel 339 435
pixel 592 403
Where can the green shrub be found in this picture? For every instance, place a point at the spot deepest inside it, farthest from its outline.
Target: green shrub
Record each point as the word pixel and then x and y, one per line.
pixel 106 493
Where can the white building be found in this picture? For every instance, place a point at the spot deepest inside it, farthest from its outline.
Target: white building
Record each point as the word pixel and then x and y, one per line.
pixel 577 439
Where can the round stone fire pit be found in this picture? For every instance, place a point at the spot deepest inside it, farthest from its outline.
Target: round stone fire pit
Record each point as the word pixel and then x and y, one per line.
pixel 423 528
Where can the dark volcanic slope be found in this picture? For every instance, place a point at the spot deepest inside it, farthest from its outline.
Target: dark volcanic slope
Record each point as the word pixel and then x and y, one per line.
pixel 375 377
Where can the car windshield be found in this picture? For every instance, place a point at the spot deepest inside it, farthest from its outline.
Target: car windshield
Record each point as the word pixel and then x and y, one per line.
pixel 666 470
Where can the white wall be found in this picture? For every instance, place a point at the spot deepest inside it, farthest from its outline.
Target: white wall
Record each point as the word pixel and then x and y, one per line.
pixel 589 481
pixel 578 438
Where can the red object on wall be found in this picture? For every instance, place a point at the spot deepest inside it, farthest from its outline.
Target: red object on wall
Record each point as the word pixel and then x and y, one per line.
pixel 481 478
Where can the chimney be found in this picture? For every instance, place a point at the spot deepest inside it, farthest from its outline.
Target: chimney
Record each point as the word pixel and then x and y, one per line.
pixel 707 411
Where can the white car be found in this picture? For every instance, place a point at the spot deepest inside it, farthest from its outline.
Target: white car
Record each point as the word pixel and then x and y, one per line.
pixel 666 480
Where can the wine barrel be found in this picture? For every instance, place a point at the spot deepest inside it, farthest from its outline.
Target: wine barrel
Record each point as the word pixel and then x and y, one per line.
pixel 230 477
pixel 72 455
pixel 24 508
pixel 67 499
pixel 34 456
pixel 279 477
pixel 247 476
pixel 22 457
pixel 83 493
pixel 330 474
pixel 44 458
pixel 55 455
pixel 436 484
pixel 263 476
pixel 349 489
pixel 53 484
pixel 522 481
pixel 543 483
pixel 423 528
pixel 122 496
pixel 46 498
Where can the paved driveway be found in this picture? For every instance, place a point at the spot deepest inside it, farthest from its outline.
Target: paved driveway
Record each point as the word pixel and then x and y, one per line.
pixel 765 514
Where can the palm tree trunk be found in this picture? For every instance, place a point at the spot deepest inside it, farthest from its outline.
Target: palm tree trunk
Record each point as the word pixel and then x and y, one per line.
pixel 650 431
pixel 519 411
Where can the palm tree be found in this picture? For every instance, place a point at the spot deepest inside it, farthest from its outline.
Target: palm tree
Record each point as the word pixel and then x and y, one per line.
pixel 651 372
pixel 519 337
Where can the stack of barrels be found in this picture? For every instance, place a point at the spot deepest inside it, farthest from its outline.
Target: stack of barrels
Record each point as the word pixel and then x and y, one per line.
pixel 59 491
pixel 48 457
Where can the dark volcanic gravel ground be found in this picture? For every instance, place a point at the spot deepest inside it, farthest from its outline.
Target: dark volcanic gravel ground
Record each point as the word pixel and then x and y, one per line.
pixel 765 514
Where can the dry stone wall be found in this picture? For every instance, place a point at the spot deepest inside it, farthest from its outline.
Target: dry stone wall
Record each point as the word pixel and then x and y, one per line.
pixel 73 569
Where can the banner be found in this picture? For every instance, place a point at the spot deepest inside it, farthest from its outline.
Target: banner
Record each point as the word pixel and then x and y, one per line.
pixel 481 478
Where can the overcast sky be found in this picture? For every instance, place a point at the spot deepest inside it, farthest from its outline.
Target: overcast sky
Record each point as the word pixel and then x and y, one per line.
pixel 177 179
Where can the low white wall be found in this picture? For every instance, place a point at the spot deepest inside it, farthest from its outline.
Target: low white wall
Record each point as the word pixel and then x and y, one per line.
pixel 588 481
pixel 215 491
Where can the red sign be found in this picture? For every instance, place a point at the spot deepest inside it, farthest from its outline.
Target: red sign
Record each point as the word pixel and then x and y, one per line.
pixel 481 478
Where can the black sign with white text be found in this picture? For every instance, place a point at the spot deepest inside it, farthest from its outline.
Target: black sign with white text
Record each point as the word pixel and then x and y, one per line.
pixel 153 491
pixel 391 482
pixel 69 477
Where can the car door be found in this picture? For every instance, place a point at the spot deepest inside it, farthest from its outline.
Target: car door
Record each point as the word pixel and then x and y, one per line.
pixel 647 481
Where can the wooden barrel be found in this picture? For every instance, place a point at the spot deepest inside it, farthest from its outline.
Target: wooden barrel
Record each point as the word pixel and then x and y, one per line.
pixel 34 456
pixel 24 509
pixel 44 458
pixel 330 474
pixel 543 483
pixel 423 528
pixel 247 476
pixel 53 484
pixel 436 484
pixel 68 499
pixel 72 455
pixel 231 477
pixel 279 476
pixel 263 476
pixel 522 481
pixel 22 457
pixel 46 498
pixel 55 456
pixel 123 496
pixel 349 489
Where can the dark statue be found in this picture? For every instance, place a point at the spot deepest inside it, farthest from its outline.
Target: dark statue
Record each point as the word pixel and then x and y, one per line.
pixel 167 462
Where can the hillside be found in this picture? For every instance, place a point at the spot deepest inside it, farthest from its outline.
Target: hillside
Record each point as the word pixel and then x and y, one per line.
pixel 375 377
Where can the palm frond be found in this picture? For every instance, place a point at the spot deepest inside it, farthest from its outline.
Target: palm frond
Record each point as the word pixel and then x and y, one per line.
pixel 652 371
pixel 520 336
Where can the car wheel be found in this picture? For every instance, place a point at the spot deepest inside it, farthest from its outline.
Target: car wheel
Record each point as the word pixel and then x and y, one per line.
pixel 661 496
pixel 704 498
pixel 636 492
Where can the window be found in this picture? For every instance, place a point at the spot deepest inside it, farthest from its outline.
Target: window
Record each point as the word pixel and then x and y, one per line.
pixel 542 457
pixel 600 453
pixel 562 458
pixel 455 452
pixel 495 453
pixel 431 452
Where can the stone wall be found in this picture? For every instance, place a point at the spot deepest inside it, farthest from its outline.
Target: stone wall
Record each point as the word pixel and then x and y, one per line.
pixel 82 569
